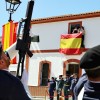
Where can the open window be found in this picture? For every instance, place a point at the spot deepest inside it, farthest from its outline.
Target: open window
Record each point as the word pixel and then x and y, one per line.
pixel 72 25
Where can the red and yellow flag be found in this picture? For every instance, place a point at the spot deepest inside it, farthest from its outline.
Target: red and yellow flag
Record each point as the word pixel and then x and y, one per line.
pixel 71 44
pixel 9 35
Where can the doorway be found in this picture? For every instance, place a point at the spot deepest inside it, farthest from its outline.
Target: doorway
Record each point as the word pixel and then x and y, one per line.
pixel 44 74
pixel 73 68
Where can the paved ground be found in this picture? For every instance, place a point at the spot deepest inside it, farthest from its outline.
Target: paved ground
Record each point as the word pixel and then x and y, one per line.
pixel 47 98
pixel 43 98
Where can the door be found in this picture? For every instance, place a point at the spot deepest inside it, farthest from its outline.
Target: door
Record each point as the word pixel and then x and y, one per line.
pixel 44 74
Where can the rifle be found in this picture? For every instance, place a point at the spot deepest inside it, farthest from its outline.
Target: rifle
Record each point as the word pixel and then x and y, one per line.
pixel 23 44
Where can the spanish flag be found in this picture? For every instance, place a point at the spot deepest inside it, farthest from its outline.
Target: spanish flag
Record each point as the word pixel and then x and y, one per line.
pixel 70 44
pixel 9 35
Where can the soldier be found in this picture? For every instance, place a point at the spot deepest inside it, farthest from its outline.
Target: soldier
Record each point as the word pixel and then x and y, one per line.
pixel 52 86
pixel 67 82
pixel 73 83
pixel 80 84
pixel 11 87
pixel 60 84
pixel 91 63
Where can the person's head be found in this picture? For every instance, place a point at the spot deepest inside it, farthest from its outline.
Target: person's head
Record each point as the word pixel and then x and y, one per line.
pixel 75 30
pixel 95 73
pixel 67 74
pixel 4 61
pixel 78 27
pixel 52 78
pixel 60 76
pixel 91 63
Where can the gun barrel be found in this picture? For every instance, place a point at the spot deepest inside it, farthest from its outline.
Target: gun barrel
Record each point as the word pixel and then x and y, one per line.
pixel 28 20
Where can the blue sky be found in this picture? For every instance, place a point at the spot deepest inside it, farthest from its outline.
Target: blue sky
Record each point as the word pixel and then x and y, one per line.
pixel 49 8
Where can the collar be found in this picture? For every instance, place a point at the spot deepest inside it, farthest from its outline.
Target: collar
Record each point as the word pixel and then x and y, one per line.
pixel 95 81
pixel 5 69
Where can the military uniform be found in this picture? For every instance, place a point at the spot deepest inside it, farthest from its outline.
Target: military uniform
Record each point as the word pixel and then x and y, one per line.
pixel 11 88
pixel 91 91
pixel 91 63
pixel 67 83
pixel 80 84
pixel 52 86
pixel 73 83
pixel 60 84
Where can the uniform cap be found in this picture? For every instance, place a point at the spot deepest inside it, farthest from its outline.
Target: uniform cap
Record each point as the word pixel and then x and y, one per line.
pixel 91 59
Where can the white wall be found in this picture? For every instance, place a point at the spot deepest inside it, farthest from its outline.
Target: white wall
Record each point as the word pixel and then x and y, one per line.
pixel 57 60
pixel 50 33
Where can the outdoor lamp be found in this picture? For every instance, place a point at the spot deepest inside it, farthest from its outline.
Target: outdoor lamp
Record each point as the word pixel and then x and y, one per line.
pixel 11 6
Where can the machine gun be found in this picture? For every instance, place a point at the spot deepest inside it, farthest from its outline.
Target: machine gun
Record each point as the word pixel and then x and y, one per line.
pixel 23 44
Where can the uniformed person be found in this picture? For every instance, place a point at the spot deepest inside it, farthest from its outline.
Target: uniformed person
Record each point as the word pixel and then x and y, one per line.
pixel 67 82
pixel 60 84
pixel 52 86
pixel 11 87
pixel 73 84
pixel 80 84
pixel 91 63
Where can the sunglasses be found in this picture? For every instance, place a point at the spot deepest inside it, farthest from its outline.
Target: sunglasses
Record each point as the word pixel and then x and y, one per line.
pixel 7 54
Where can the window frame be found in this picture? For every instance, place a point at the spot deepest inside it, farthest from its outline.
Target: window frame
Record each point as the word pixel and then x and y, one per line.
pixel 43 77
pixel 40 69
pixel 74 66
pixel 73 23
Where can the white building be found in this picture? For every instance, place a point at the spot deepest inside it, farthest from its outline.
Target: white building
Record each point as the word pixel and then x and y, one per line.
pixel 47 61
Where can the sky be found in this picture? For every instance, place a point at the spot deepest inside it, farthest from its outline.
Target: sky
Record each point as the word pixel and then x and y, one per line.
pixel 48 8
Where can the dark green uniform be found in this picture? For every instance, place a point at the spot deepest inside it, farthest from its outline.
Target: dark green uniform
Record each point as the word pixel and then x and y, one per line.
pixel 60 84
pixel 67 83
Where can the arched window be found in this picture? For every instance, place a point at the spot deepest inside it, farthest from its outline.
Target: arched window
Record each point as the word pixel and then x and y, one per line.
pixel 72 65
pixel 73 68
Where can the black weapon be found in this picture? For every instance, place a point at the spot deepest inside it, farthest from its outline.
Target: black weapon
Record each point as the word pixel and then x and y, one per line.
pixel 23 44
pixel 0 49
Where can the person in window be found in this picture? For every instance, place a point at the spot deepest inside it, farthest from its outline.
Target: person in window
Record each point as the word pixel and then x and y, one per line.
pixel 11 87
pixel 75 30
pixel 52 87
pixel 81 30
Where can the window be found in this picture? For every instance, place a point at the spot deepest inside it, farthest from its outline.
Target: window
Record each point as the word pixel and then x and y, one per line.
pixel 73 68
pixel 44 74
pixel 72 25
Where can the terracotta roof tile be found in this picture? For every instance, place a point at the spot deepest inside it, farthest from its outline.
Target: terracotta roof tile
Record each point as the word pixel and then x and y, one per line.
pixel 66 17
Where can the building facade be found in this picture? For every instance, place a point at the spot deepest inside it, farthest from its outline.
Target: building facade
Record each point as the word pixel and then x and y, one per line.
pixel 47 61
